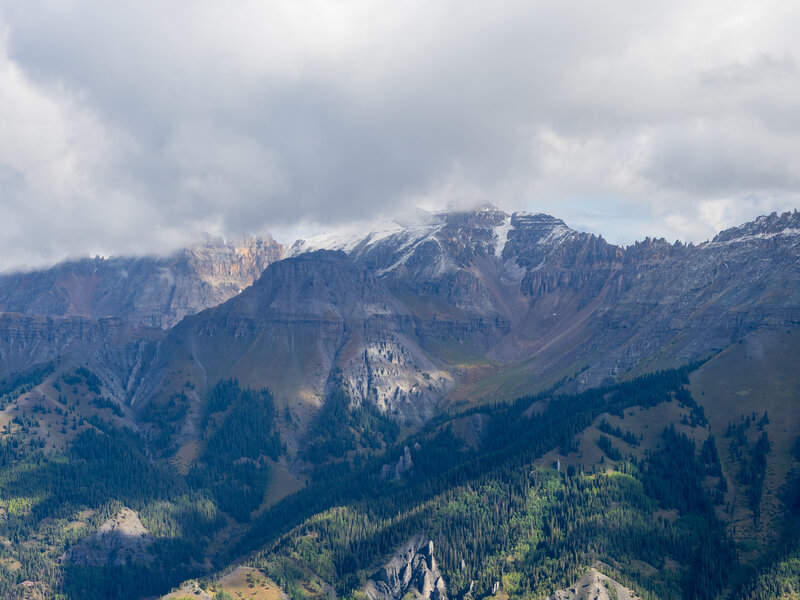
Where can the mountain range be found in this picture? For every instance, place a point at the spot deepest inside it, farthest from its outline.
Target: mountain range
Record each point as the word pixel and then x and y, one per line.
pixel 340 350
pixel 465 307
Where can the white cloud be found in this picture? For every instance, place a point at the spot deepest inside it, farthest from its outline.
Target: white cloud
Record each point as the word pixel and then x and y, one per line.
pixel 133 125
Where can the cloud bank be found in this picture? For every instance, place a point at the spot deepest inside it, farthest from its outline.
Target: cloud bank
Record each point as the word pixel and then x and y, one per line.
pixel 129 127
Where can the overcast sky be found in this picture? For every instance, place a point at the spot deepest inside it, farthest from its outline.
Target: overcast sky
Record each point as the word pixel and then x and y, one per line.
pixel 130 127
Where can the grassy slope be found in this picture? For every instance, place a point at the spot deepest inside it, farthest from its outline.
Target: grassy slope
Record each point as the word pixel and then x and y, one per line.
pixel 75 401
pixel 243 582
pixel 758 374
pixel 645 423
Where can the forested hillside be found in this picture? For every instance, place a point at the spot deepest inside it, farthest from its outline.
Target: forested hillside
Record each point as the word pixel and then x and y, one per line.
pixel 493 514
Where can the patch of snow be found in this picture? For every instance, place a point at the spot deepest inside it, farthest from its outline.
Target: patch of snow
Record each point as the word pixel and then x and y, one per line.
pixel 383 231
pixel 539 266
pixel 350 239
pixel 788 232
pixel 501 235
pixel 557 234
pixel 412 237
pixel 345 241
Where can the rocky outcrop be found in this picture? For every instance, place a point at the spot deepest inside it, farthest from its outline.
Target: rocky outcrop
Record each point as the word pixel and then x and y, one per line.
pixel 397 469
pixel 121 540
pixel 595 586
pixel 413 570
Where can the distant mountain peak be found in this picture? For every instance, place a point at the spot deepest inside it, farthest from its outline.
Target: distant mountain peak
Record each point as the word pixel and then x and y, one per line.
pixel 485 228
pixel 142 291
pixel 765 227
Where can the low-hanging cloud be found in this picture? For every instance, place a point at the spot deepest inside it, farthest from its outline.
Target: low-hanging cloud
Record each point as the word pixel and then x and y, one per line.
pixel 131 127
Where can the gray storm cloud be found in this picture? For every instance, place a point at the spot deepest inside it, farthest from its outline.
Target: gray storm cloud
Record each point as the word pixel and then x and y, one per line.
pixel 131 127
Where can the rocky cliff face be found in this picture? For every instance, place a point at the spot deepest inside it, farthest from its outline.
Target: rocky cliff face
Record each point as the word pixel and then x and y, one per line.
pixel 398 469
pixel 27 340
pixel 525 287
pixel 141 291
pixel 676 303
pixel 413 570
pixel 311 322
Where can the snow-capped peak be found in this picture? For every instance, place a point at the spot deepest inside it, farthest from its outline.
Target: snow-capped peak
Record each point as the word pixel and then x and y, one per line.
pixel 346 239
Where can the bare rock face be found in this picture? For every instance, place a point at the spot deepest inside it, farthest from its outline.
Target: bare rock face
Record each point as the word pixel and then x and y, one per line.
pixel 396 470
pixel 311 320
pixel 412 569
pixel 141 291
pixel 121 540
pixel 594 586
pixel 28 340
